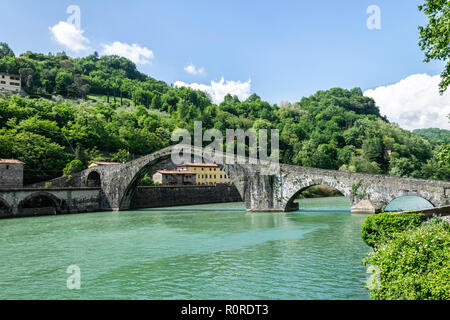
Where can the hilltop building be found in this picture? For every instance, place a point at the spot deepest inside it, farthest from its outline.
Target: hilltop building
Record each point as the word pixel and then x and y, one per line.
pixel 11 173
pixel 206 173
pixel 10 82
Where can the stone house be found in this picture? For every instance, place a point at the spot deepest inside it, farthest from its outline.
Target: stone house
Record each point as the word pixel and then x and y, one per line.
pixel 11 173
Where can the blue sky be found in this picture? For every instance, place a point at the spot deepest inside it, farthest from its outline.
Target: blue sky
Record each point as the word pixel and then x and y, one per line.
pixel 288 49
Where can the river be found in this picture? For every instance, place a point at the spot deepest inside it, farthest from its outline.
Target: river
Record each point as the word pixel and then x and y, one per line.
pixel 192 252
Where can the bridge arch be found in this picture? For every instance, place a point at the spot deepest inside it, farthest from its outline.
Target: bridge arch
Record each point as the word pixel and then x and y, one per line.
pixel 41 203
pixel 425 200
pixel 5 208
pixel 290 205
pixel 94 179
pixel 125 202
pixel 136 170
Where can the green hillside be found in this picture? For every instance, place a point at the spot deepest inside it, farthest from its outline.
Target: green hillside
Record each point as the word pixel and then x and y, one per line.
pixel 92 108
pixel 435 135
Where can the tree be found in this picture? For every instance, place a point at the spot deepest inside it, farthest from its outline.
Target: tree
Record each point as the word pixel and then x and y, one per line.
pixel 73 166
pixel 443 155
pixel 27 77
pixel 435 36
pixel 43 158
pixel 5 50
pixel 82 85
pixel 62 82
pixel 121 156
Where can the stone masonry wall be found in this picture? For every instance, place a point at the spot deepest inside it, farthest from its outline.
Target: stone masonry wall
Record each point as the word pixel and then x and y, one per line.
pixel 11 175
pixel 162 196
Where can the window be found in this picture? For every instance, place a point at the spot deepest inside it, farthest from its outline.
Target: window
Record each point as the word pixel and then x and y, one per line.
pixel 220 176
pixel 7 167
pixel 214 176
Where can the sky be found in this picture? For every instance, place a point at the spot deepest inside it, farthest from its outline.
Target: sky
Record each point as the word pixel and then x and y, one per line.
pixel 280 50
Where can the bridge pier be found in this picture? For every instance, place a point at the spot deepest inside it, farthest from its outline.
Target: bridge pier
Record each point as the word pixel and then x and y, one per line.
pixel 365 206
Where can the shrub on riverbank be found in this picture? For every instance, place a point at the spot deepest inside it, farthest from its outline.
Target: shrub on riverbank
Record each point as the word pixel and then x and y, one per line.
pixel 413 264
pixel 379 228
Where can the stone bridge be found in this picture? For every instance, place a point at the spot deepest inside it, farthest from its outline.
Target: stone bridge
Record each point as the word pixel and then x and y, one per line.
pixel 31 201
pixel 265 192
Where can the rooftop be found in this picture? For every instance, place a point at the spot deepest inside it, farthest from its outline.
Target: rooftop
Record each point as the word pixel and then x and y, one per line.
pixel 9 74
pixel 104 163
pixel 175 172
pixel 198 165
pixel 13 161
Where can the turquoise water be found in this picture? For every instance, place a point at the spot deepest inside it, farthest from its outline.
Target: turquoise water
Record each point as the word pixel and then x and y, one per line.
pixel 192 252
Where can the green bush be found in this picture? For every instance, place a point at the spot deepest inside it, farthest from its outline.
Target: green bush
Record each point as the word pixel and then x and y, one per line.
pixel 146 181
pixel 381 227
pixel 413 265
pixel 73 166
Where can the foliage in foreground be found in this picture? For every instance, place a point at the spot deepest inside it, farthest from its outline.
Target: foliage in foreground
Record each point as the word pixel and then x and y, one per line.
pixel 380 228
pixel 435 36
pixel 413 265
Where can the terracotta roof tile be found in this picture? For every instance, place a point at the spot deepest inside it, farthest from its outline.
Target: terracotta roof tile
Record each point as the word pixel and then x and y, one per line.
pixel 175 172
pixel 101 163
pixel 198 165
pixel 13 161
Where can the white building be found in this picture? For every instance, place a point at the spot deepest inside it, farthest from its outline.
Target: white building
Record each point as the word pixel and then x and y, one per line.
pixel 10 82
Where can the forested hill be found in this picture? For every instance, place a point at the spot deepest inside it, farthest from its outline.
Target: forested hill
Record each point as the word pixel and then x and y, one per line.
pixel 103 108
pixel 435 135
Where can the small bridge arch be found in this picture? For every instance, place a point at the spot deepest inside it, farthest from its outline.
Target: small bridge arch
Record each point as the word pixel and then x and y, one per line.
pixel 41 203
pixel 94 179
pixel 291 205
pixel 425 197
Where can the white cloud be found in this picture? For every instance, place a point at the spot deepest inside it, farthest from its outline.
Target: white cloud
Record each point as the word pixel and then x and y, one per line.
pixel 218 90
pixel 191 69
pixel 134 52
pixel 69 36
pixel 414 102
